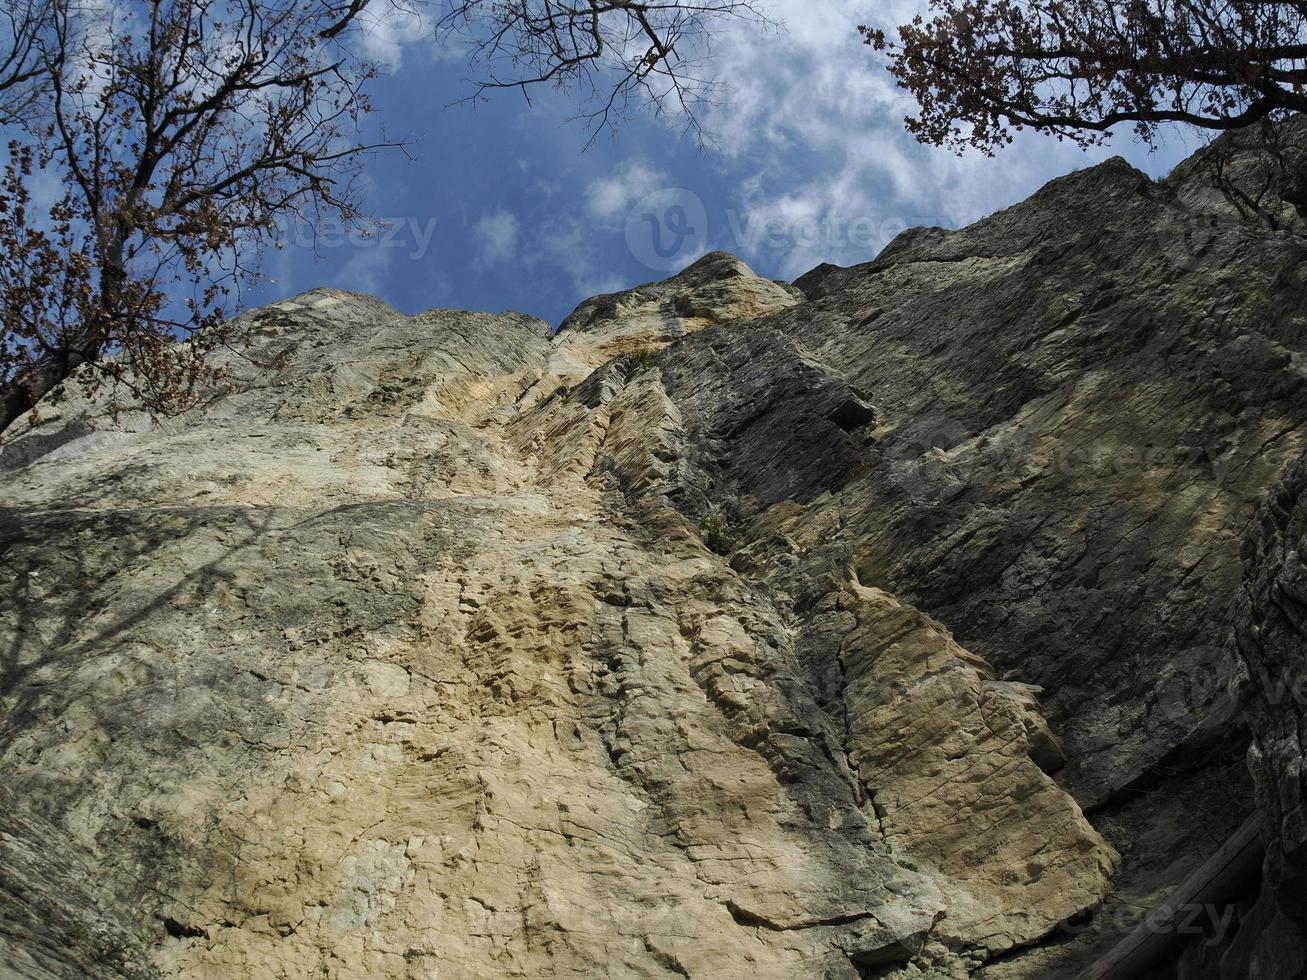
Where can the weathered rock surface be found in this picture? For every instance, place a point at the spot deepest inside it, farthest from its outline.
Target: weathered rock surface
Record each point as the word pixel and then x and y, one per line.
pixel 407 655
pixel 1271 622
pixel 1076 424
pixel 55 921
pixel 331 678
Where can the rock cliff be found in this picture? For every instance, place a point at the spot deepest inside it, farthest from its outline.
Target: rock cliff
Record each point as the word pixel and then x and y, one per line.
pixel 892 623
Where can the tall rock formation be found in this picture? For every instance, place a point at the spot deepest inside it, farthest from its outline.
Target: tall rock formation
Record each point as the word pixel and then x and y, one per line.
pixel 878 625
pixel 1271 622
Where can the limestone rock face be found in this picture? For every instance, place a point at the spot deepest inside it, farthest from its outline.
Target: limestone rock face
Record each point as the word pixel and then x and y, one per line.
pixel 705 637
pixel 331 677
pixel 1271 621
pixel 1076 420
pixel 959 765
pixel 54 919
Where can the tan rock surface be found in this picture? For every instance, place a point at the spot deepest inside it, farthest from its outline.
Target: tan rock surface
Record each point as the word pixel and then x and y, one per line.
pixel 367 669
pixel 407 655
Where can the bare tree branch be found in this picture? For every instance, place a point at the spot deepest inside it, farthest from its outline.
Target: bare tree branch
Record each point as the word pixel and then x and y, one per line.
pixel 984 69
pixel 614 55
pixel 24 25
pixel 185 129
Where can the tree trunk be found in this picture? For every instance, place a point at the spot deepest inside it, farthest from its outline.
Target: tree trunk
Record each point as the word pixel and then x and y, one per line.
pixel 22 393
pixel 1296 191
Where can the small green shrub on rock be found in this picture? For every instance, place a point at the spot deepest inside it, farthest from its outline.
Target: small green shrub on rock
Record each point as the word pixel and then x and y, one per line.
pixel 717 537
pixel 642 360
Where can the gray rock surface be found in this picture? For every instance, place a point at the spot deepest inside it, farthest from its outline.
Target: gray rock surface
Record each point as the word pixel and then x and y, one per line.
pixel 1074 426
pixel 1271 623
pixel 55 920
pixel 876 626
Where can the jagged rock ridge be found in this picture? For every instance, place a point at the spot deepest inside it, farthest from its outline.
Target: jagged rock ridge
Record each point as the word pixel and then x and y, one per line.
pixel 406 657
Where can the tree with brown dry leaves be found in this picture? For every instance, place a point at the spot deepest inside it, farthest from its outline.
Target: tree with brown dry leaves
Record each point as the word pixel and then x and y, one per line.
pixel 23 25
pixel 181 132
pixel 983 69
pixel 186 133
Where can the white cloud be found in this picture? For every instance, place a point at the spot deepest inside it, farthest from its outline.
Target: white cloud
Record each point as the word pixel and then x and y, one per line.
pixel 365 272
pixel 566 253
pixel 811 124
pixel 612 196
pixel 495 237
pixel 387 28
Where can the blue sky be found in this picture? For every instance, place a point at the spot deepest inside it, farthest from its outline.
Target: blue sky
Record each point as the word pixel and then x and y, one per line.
pixel 501 207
